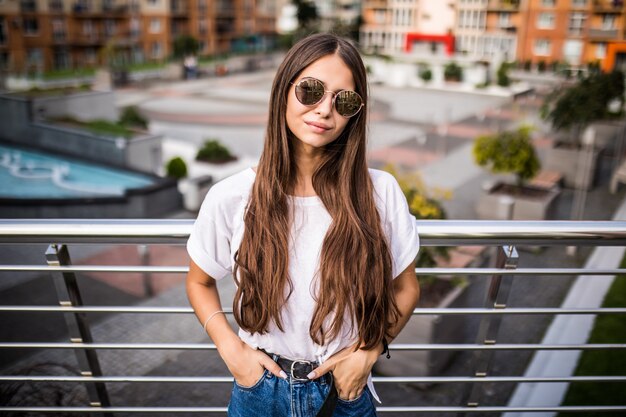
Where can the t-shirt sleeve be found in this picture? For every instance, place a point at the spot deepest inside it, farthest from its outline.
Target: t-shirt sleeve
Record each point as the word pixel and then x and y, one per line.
pixel 209 241
pixel 401 229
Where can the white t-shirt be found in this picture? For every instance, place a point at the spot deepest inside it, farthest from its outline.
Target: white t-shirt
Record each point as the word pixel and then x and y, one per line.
pixel 218 230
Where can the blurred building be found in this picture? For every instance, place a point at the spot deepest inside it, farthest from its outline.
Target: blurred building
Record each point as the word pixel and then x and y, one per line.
pixel 42 35
pixel 571 32
pixel 395 26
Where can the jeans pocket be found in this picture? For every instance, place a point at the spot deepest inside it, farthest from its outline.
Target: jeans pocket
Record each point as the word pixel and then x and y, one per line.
pixel 255 385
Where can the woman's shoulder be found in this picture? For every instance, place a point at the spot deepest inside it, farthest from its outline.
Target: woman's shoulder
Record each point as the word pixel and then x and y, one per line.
pixel 236 184
pixel 230 192
pixel 382 180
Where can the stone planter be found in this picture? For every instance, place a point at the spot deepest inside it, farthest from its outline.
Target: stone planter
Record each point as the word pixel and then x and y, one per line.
pixel 529 203
pixel 577 166
pixel 425 329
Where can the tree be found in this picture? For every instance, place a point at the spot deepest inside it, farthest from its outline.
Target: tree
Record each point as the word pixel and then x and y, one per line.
pixel 510 152
pixel 214 151
pixel 185 45
pixel 575 108
pixel 307 13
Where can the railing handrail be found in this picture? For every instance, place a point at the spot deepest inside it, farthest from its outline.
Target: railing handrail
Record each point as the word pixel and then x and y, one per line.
pixel 432 232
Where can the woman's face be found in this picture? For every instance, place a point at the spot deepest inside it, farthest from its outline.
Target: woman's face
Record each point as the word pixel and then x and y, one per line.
pixel 320 124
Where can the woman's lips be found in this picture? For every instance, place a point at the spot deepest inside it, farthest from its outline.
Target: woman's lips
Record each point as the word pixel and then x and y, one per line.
pixel 318 127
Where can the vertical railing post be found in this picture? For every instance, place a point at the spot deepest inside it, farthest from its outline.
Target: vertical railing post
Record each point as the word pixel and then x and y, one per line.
pixel 144 254
pixel 77 324
pixel 496 298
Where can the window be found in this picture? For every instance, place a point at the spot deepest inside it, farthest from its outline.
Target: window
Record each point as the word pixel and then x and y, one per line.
pixel 4 60
pixel 109 27
pixel 58 29
pixel 542 47
pixel 61 59
pixel 601 50
pixel 608 22
pixel 577 23
pixel 545 21
pixel 155 25
pixel 548 3
pixel 572 51
pixel 156 50
pixel 34 57
pixel 31 26
pixel 90 56
pixel 153 2
pixel 202 27
pixel 504 20
pixel 87 27
pixel 579 3
pixel 3 31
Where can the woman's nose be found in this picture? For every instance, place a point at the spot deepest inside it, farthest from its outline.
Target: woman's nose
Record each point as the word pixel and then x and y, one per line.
pixel 325 106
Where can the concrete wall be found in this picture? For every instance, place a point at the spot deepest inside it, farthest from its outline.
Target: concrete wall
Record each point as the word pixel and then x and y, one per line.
pixel 142 153
pixel 82 106
pixel 154 202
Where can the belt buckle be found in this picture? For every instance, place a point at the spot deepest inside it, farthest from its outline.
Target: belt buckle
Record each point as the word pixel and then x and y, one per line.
pixel 302 361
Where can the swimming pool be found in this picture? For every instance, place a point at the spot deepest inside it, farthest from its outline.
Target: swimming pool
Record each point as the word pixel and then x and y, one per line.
pixel 29 174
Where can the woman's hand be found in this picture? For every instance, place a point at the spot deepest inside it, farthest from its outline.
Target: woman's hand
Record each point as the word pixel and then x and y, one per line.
pixel 246 364
pixel 350 370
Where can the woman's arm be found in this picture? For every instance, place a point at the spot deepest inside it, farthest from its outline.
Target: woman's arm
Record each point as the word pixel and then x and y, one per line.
pixel 351 368
pixel 245 363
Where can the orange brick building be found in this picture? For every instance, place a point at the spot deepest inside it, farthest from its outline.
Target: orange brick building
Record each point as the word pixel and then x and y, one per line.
pixel 43 35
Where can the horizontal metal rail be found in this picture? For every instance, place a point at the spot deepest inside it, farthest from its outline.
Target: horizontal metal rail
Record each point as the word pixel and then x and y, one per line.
pixel 396 346
pixel 432 232
pixel 420 271
pixel 417 312
pixel 84 410
pixel 377 379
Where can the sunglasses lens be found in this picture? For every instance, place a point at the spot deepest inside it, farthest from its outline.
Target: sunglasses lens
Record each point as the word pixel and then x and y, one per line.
pixel 309 91
pixel 348 103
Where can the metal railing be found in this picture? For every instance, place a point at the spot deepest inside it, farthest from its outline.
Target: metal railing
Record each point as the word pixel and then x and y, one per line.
pixel 504 236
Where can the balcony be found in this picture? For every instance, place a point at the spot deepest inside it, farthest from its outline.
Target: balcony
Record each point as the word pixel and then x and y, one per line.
pixel 503 5
pixel 59 37
pixel 28 6
pixel 608 6
pixel 132 335
pixel 603 34
pixel 179 8
pixel 55 6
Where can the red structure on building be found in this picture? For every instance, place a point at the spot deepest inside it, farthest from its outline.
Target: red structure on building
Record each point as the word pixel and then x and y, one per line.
pixel 447 40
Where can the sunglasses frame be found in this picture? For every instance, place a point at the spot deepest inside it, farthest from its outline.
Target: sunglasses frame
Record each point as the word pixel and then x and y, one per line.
pixel 334 96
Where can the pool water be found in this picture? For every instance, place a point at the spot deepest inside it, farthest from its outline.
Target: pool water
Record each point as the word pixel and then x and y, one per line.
pixel 36 174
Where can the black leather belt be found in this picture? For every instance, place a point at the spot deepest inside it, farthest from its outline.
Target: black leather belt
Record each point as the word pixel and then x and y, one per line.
pixel 298 370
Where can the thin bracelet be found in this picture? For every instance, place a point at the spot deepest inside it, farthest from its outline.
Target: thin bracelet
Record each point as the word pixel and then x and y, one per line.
pixel 210 317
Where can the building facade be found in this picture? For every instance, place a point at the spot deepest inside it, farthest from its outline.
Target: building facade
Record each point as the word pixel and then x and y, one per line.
pixel 570 32
pixel 43 35
pixel 407 25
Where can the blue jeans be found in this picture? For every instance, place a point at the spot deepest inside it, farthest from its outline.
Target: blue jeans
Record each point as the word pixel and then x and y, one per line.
pixel 277 397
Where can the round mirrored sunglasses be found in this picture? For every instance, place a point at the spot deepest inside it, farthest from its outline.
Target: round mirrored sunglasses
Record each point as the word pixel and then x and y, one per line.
pixel 310 91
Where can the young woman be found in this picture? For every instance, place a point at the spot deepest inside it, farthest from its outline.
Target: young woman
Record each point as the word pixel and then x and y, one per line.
pixel 321 248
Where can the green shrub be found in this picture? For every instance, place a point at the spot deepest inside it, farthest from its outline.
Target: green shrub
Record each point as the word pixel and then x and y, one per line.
pixel 510 152
pixel 213 151
pixel 426 74
pixel 503 75
pixel 453 72
pixel 107 128
pixel 131 117
pixel 176 168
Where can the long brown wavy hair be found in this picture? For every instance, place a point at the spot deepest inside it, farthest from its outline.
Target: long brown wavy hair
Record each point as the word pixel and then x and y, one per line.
pixel 355 275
